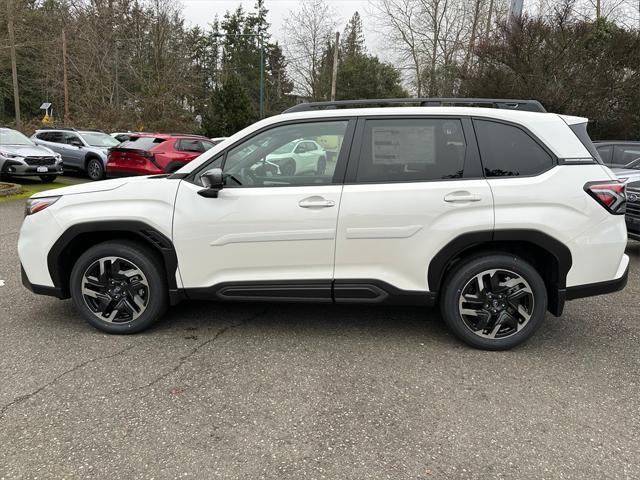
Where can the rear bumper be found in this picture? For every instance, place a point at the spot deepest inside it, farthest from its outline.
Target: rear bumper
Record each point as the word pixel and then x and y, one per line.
pixel 600 288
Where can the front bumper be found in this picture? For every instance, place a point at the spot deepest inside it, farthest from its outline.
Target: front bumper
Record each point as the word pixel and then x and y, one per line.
pixel 40 289
pixel 20 169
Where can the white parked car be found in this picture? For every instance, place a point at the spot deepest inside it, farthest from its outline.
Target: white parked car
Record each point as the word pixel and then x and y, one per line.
pixel 495 215
pixel 298 157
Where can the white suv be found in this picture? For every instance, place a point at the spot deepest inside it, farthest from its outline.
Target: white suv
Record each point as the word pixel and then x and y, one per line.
pixel 496 215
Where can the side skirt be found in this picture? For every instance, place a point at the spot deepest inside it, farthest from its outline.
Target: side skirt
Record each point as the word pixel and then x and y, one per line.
pixel 314 291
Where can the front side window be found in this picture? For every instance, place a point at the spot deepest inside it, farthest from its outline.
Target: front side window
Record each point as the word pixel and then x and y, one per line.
pixel 273 157
pixel 72 139
pixel 508 151
pixel 411 150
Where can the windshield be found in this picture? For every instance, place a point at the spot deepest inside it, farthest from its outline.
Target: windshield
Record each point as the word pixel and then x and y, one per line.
pixel 284 149
pixel 634 165
pixel 96 139
pixel 11 137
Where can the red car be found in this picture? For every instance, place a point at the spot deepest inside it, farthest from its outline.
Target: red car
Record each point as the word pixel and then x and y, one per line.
pixel 152 154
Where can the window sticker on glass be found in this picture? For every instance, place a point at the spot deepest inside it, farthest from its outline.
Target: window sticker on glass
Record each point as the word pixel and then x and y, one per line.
pixel 401 145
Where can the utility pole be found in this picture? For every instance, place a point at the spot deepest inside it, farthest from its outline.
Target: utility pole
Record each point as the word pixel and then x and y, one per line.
pixel 14 66
pixel 261 38
pixel 334 78
pixel 515 12
pixel 65 79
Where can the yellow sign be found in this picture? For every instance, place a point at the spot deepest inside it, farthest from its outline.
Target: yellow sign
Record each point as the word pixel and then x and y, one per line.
pixel 46 119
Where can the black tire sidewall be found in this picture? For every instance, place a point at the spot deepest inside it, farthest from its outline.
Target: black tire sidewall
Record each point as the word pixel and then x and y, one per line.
pixel 461 274
pixel 144 259
pixel 99 162
pixel 290 167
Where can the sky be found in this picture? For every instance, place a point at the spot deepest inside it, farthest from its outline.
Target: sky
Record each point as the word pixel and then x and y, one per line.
pixel 202 12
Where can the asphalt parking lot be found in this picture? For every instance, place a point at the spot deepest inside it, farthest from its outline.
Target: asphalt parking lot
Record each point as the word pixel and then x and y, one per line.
pixel 290 391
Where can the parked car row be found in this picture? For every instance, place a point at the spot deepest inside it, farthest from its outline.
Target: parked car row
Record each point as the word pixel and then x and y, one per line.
pixel 51 151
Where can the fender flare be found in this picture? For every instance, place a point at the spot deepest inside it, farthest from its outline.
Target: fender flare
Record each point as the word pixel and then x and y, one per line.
pixel 559 251
pixel 150 236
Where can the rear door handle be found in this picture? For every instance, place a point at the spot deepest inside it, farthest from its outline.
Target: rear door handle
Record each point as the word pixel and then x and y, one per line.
pixel 316 202
pixel 461 197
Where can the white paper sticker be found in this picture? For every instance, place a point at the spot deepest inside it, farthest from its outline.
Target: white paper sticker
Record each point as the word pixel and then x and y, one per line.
pixel 403 145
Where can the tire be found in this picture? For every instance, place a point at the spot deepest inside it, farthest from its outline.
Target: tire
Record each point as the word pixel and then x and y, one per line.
pixel 494 316
pixel 48 178
pixel 288 168
pixel 321 168
pixel 95 169
pixel 138 296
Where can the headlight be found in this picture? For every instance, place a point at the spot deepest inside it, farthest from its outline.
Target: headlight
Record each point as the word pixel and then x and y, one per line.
pixel 11 155
pixel 35 205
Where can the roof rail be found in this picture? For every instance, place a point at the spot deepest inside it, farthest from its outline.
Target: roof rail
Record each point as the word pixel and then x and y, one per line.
pixel 509 104
pixel 186 135
pixel 57 128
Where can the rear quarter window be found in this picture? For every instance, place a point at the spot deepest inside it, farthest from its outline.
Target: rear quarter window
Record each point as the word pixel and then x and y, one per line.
pixel 509 151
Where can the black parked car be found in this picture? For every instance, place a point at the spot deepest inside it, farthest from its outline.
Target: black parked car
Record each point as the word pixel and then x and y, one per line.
pixel 633 210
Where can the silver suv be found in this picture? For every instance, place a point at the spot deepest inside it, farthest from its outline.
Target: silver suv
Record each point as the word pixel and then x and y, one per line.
pixel 19 156
pixel 81 150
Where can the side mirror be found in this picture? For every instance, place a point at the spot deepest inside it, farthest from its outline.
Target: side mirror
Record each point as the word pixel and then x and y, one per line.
pixel 213 182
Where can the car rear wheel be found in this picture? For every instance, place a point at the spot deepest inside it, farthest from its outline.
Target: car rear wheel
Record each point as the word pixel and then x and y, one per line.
pixel 118 287
pixel 494 301
pixel 95 169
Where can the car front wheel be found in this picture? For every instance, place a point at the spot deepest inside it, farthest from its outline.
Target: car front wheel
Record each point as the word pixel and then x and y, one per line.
pixel 118 287
pixel 95 169
pixel 494 301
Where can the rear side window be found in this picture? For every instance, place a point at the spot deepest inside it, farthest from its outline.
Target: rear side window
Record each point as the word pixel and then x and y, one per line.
pixel 193 145
pixel 508 151
pixel 411 150
pixel 142 143
pixel 51 137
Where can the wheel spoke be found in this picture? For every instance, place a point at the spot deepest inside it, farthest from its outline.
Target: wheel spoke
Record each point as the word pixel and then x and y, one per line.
pixel 115 290
pixel 496 304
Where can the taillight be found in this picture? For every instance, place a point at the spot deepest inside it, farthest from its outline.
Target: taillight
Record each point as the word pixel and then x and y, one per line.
pixel 610 194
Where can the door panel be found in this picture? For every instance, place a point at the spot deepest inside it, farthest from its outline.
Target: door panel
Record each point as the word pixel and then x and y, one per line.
pixel 390 232
pixel 255 234
pixel 411 188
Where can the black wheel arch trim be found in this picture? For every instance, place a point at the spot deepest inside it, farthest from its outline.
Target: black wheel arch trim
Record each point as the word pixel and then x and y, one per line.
pixel 560 252
pixel 147 234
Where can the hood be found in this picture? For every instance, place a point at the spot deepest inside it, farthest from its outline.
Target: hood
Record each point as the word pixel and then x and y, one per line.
pixel 89 187
pixel 27 150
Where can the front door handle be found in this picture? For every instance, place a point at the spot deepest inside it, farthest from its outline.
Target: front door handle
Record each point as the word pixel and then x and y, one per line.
pixel 461 197
pixel 316 202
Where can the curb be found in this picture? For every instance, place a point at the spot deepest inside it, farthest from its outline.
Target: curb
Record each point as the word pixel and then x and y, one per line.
pixel 7 189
